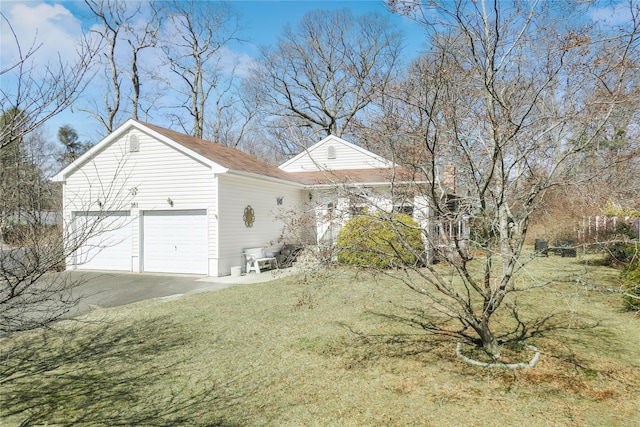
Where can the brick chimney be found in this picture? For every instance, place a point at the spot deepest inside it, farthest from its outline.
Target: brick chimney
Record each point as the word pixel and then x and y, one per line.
pixel 449 178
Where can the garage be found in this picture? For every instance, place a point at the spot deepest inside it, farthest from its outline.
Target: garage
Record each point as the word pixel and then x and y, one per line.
pixel 175 241
pixel 104 239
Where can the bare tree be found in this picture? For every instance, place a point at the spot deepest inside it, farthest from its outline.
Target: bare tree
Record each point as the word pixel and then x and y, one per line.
pixel 126 29
pixel 327 70
pixel 36 243
pixel 34 291
pixel 140 34
pixel 194 35
pixel 22 184
pixel 109 13
pixel 234 113
pixel 39 93
pixel 503 97
pixel 29 236
pixel 33 243
pixel 31 96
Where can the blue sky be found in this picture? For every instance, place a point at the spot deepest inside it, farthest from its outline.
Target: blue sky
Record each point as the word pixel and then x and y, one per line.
pixel 264 19
pixel 58 24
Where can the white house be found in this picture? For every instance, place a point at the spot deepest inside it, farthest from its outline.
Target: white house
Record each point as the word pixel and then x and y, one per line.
pixel 149 199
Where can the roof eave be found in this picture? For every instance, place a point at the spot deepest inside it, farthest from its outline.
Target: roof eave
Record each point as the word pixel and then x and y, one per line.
pixel 265 178
pixel 364 184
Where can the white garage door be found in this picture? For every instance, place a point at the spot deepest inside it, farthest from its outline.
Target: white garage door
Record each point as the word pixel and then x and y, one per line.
pixel 175 242
pixel 104 239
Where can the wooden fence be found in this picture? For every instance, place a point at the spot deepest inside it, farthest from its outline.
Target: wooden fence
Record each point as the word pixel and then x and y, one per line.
pixel 597 228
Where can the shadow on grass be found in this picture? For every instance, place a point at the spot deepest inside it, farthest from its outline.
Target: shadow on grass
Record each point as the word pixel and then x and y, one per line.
pixel 437 337
pixel 107 374
pixel 365 347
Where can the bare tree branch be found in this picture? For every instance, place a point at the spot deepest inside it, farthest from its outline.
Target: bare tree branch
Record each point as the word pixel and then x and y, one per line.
pixel 39 93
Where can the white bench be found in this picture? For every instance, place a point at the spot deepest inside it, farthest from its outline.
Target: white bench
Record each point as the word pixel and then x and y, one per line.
pixel 257 259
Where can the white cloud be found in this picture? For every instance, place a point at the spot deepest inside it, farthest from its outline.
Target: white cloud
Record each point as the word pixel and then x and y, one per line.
pixel 616 14
pixel 52 26
pixel 236 63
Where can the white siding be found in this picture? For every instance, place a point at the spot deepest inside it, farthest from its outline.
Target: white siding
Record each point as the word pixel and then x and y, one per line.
pixel 347 156
pixel 237 193
pixel 149 179
pixel 377 199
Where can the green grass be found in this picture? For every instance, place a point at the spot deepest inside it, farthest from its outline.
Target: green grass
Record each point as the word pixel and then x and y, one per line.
pixel 323 352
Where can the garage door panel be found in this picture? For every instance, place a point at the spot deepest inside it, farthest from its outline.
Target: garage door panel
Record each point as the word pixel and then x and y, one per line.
pixel 105 241
pixel 175 242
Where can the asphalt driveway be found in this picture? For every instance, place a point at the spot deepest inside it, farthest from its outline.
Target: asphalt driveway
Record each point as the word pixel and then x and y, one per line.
pixel 109 289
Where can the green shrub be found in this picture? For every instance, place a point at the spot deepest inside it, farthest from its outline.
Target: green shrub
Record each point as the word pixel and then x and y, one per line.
pixel 625 230
pixel 631 282
pixel 623 255
pixel 379 241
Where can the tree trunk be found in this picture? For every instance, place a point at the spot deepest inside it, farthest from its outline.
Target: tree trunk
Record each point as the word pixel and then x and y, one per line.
pixel 489 342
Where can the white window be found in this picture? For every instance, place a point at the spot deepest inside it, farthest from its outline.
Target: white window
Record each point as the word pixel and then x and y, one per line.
pixel 403 203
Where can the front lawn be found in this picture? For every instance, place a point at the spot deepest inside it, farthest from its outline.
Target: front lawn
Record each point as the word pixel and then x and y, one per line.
pixel 336 350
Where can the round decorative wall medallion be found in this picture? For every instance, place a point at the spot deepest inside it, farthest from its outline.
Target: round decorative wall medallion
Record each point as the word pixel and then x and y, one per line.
pixel 249 216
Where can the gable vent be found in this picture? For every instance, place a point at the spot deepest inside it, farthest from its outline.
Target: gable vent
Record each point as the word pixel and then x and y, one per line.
pixel 331 152
pixel 134 144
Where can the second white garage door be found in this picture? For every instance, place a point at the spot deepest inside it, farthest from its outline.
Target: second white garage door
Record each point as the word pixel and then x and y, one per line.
pixel 175 242
pixel 104 240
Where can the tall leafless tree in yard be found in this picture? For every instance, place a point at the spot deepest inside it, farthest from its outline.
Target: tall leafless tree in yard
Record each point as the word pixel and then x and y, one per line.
pixel 125 30
pixel 326 71
pixel 193 39
pixel 503 96
pixel 141 34
pixel 234 114
pixel 111 14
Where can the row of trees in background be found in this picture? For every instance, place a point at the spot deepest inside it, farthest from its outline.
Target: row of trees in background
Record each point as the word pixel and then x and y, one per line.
pixel 331 73
pixel 171 61
pixel 186 41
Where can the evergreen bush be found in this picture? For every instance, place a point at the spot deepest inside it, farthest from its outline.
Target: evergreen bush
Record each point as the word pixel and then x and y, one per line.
pixel 380 241
pixel 631 280
pixel 622 255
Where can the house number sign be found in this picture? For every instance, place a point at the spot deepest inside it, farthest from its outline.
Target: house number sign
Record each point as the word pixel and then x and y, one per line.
pixel 249 216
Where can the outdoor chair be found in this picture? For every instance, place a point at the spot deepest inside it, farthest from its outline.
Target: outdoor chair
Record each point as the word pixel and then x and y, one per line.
pixel 256 259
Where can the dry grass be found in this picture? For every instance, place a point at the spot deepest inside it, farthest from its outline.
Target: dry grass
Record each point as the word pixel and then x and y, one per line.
pixel 323 352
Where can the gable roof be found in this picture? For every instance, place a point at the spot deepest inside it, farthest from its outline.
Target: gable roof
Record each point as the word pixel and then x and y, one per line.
pixel 311 154
pixel 216 155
